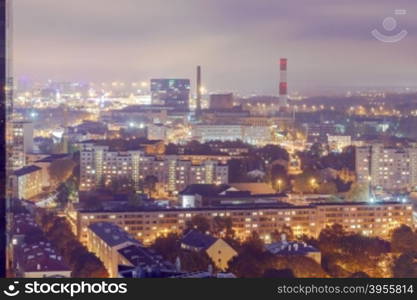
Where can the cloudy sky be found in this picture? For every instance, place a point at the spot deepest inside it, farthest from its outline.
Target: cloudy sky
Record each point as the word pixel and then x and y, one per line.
pixel 237 42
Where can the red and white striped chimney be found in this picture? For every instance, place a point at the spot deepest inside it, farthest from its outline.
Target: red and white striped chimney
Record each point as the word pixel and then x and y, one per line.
pixel 283 85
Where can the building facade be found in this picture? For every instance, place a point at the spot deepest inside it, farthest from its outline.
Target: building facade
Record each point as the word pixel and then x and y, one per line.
pixel 377 219
pixel 27 182
pixel 391 169
pixel 21 141
pixel 254 135
pixel 99 166
pixel 173 93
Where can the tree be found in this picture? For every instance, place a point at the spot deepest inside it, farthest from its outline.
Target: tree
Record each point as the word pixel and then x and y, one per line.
pixel 252 260
pixel 286 231
pixel 403 240
pixel 301 266
pixel 150 184
pixel 358 193
pixel 82 263
pixel 359 275
pixel 135 200
pixel 63 194
pixel 327 188
pixel 282 273
pixel 167 246
pixel 60 170
pixel 279 177
pixel 200 223
pixel 405 266
pixel 222 226
pixel 306 182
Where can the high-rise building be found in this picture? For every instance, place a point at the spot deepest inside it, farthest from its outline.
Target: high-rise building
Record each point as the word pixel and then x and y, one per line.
pixel 100 165
pixel 174 93
pixel 21 141
pixel 388 168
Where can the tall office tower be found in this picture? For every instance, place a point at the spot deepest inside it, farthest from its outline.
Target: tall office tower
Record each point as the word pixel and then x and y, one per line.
pixel 283 85
pixel 21 143
pixel 198 91
pixel 173 93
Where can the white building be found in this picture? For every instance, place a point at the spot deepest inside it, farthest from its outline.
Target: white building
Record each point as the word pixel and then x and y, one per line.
pixel 339 142
pixel 255 135
pixel 387 168
pixel 99 165
pixel 21 136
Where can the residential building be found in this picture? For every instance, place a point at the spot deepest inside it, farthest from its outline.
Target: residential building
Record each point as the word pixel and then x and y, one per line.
pixel 217 249
pixel 27 182
pixel 388 168
pixel 105 240
pixel 338 142
pixel 294 248
pixel 254 135
pixel 21 143
pixel 373 219
pixel 173 93
pixel 100 165
pixel 39 260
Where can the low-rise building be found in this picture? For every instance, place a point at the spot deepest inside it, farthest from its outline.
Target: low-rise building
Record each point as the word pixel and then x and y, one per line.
pixel 39 260
pixel 105 239
pixel 217 249
pixel 373 219
pixel 27 182
pixel 294 248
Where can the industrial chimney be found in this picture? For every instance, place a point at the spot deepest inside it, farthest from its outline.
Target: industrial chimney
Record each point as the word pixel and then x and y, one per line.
pixel 198 92
pixel 283 86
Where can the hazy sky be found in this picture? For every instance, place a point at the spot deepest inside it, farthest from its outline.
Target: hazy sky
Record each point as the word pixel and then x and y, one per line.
pixel 237 42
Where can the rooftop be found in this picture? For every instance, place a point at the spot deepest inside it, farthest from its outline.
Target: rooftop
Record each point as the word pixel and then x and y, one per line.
pixel 52 158
pixel 290 248
pixel 143 257
pixel 39 257
pixel 111 234
pixel 196 239
pixel 26 170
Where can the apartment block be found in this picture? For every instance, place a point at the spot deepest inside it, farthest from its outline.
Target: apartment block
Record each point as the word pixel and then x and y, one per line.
pixel 101 166
pixel 389 168
pixel 376 219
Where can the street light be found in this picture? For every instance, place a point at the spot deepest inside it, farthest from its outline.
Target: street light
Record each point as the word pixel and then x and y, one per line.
pixel 313 183
pixel 279 181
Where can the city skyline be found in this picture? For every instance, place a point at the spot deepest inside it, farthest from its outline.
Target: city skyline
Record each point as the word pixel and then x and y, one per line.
pixel 153 40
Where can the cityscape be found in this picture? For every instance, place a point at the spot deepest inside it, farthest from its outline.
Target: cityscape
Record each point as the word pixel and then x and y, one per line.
pixel 187 172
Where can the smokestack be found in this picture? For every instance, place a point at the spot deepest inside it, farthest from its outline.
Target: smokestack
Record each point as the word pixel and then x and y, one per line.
pixel 283 85
pixel 198 100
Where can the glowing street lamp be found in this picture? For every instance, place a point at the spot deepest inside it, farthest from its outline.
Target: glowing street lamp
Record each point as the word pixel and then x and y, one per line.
pixel 279 181
pixel 313 183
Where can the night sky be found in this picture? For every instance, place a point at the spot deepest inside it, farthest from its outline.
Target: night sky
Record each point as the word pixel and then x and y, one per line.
pixel 237 42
